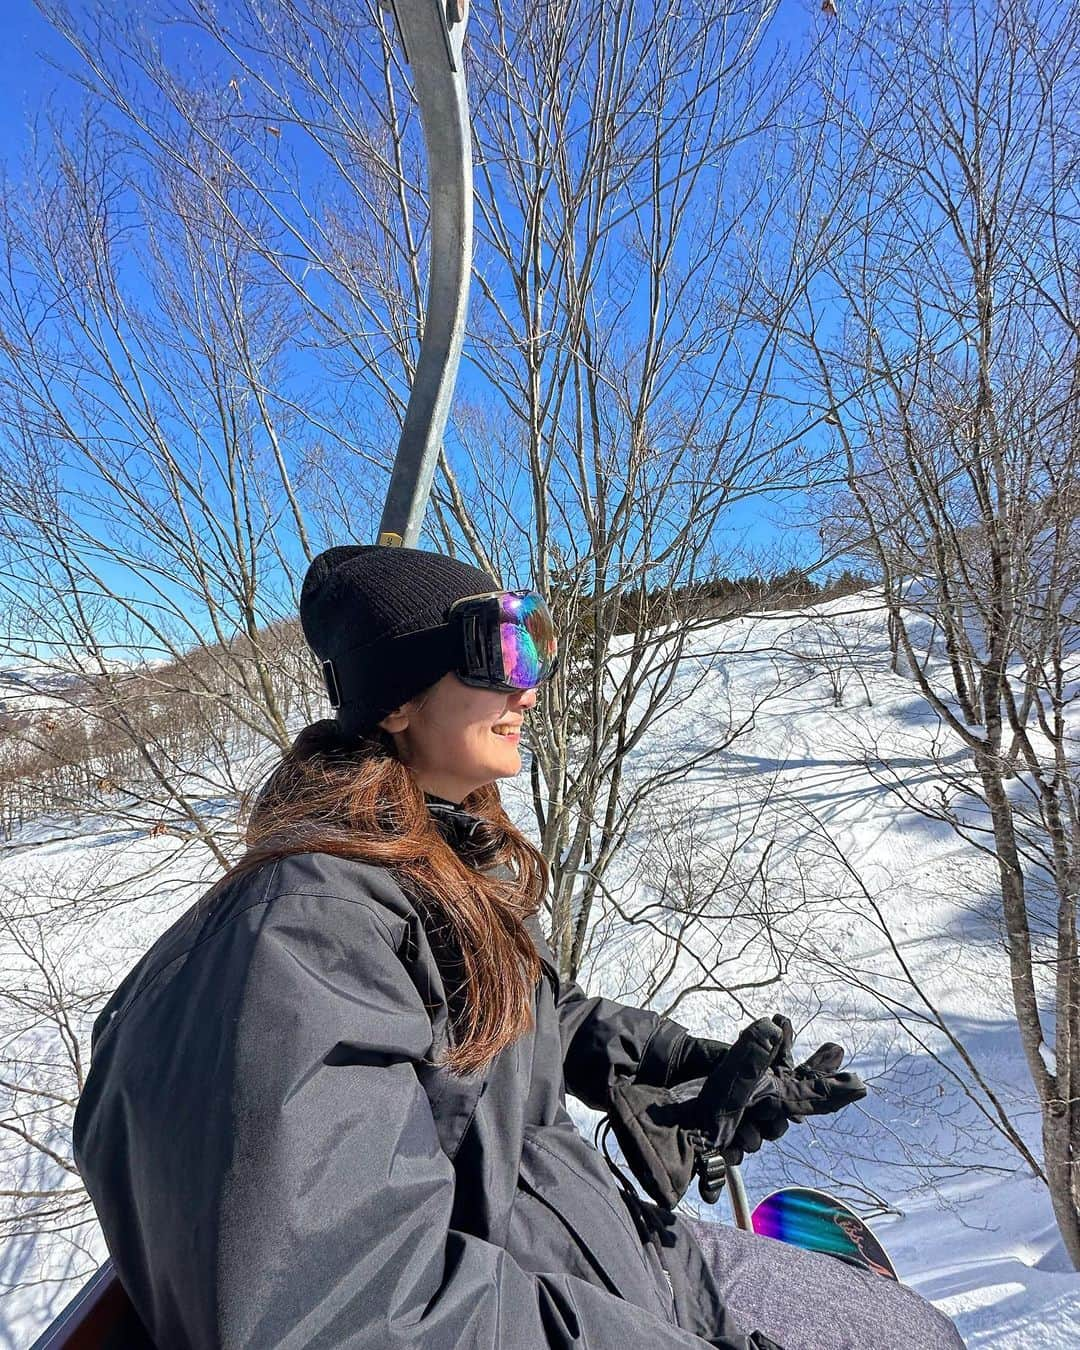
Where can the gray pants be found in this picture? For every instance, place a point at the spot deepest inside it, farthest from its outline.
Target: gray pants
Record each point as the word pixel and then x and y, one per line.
pixel 806 1301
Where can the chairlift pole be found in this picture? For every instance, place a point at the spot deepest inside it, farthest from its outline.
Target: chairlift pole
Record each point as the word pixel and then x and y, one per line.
pixel 740 1201
pixel 432 33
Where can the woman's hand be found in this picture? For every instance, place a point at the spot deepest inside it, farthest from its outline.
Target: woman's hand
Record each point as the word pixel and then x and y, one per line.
pixel 665 1131
pixel 734 1082
pixel 786 1092
pixel 815 1087
pixel 740 1096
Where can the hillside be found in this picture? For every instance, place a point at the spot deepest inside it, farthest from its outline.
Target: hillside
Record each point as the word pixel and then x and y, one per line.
pixel 802 868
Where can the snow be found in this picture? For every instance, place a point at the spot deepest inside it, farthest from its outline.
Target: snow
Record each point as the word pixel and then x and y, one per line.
pixel 865 890
pixel 33 688
pixel 40 683
pixel 994 1263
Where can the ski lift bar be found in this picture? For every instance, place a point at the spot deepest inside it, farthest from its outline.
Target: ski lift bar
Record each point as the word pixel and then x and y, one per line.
pixel 432 33
pixel 99 1317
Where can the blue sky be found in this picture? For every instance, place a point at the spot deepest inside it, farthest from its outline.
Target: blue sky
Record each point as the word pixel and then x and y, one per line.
pixel 27 82
pixel 31 87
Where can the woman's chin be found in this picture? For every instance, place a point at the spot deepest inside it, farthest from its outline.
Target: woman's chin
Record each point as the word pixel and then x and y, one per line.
pixel 509 763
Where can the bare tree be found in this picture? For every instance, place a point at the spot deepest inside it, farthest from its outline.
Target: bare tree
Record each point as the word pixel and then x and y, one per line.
pixel 629 304
pixel 46 1003
pixel 72 921
pixel 628 330
pixel 950 374
pixel 152 516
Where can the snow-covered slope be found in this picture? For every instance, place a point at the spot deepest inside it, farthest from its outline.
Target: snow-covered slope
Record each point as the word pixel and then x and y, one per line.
pixel 30 688
pixel 852 904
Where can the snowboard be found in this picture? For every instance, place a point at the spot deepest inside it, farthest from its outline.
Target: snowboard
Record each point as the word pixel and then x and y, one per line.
pixel 817 1222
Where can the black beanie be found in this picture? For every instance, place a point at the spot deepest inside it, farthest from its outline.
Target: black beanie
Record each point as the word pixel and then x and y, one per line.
pixel 375 617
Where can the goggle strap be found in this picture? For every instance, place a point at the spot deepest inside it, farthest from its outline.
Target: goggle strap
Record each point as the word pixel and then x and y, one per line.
pixel 476 653
pixel 351 678
pixel 333 688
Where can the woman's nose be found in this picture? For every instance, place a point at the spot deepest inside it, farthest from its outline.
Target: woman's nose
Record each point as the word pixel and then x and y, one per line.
pixel 523 699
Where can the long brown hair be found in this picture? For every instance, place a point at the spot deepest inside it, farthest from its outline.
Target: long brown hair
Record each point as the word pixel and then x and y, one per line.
pixel 358 800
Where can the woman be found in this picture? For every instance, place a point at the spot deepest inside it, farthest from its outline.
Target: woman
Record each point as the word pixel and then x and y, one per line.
pixel 327 1108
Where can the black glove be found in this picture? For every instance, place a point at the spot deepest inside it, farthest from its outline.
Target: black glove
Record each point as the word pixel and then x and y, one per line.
pixel 696 1057
pixel 664 1132
pixel 789 1092
pixel 815 1087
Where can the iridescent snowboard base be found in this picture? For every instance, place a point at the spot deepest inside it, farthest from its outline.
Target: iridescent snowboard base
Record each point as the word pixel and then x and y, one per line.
pixel 820 1223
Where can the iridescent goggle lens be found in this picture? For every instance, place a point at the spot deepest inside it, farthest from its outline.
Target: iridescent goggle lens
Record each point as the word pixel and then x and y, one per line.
pixel 508 639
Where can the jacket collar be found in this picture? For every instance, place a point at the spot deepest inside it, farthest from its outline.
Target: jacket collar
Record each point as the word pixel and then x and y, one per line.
pixel 455 824
pixel 467 835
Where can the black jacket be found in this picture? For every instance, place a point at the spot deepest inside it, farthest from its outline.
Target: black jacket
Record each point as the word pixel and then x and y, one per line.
pixel 276 1160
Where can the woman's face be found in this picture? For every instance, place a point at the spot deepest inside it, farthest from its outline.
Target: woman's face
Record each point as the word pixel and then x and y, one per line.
pixel 455 738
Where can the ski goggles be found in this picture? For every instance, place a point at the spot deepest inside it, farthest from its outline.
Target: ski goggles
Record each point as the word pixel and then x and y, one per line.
pixel 507 639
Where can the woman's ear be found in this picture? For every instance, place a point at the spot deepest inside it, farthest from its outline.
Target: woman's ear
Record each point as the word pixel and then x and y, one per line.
pixel 398 720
